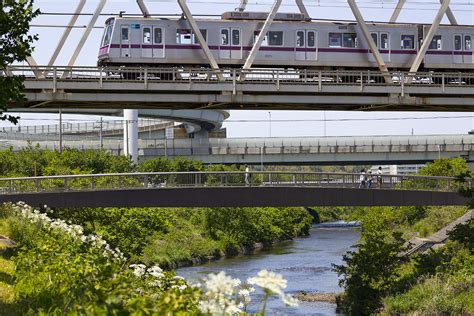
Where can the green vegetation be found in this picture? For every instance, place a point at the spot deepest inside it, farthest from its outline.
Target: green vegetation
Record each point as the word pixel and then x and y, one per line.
pixel 79 280
pixel 16 45
pixel 378 278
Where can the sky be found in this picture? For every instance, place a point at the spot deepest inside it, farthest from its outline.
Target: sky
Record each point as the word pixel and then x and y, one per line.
pixel 254 123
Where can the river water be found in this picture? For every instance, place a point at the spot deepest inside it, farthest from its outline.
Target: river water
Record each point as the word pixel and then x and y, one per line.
pixel 304 262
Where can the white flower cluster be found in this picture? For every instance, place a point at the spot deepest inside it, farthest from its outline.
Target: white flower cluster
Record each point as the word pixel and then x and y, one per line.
pixel 274 283
pixel 157 275
pixel 226 296
pixel 75 231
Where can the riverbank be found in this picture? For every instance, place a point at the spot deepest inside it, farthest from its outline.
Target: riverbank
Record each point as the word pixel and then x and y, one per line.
pixel 305 262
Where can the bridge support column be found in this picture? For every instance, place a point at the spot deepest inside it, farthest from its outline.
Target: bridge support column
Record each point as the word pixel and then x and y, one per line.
pixel 401 3
pixel 130 134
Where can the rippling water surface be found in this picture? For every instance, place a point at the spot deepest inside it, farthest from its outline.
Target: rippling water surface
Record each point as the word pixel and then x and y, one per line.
pixel 304 262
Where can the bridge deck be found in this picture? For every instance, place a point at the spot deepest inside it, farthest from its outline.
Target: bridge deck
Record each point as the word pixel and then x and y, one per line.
pixel 264 88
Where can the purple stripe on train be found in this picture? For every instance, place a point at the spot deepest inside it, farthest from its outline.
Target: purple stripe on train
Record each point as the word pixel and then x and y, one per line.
pixel 103 50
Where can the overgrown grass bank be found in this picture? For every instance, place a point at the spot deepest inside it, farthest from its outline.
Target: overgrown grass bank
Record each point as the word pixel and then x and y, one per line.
pixel 377 278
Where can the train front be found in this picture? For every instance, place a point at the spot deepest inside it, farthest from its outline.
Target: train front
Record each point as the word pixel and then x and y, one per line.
pixel 106 42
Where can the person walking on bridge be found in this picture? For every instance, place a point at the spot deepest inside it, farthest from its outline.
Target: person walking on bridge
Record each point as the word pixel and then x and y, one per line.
pixel 379 177
pixel 362 179
pixel 247 175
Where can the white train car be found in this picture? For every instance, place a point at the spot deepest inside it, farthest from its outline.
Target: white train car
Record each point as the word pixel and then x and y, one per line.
pixel 291 42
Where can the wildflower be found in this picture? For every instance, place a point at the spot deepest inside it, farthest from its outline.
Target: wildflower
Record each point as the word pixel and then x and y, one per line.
pixel 221 283
pixel 138 269
pixel 156 271
pixel 156 283
pixel 289 300
pixel 270 281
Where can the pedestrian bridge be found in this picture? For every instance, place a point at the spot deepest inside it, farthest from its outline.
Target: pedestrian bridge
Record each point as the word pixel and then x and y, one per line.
pixel 199 88
pixel 231 189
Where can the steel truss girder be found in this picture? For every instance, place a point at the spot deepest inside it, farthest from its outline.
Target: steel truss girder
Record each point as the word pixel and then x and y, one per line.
pixel 263 32
pixel 299 4
pixel 242 5
pixel 192 22
pixel 373 47
pixel 86 34
pixel 143 8
pixel 65 35
pixel 427 40
pixel 401 3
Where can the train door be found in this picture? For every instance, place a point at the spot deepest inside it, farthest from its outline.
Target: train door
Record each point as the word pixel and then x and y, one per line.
pixel 467 46
pixel 457 53
pixel 147 45
pixel 158 42
pixel 224 44
pixel 382 42
pixel 236 44
pixel 305 46
pixel 311 49
pixel 125 41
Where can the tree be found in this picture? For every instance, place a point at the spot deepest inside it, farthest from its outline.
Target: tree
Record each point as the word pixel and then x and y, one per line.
pixel 15 45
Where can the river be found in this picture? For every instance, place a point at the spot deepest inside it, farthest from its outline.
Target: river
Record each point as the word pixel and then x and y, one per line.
pixel 304 262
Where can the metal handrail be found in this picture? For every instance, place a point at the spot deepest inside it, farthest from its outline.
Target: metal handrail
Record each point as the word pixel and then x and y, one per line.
pixel 147 180
pixel 264 75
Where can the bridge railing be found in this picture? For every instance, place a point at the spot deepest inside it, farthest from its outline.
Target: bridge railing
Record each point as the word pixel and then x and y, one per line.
pixel 92 182
pixel 277 76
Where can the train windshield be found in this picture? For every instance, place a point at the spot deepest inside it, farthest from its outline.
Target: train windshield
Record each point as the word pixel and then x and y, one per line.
pixel 107 33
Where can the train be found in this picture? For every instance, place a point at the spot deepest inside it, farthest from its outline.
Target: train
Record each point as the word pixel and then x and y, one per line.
pixel 293 41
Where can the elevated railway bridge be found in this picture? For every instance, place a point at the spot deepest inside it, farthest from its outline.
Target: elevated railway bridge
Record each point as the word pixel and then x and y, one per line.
pixel 205 88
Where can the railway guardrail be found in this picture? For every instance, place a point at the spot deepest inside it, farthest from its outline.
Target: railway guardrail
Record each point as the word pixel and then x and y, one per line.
pixel 154 180
pixel 240 76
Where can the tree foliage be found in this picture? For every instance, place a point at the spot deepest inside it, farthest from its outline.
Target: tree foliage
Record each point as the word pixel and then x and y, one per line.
pixel 15 46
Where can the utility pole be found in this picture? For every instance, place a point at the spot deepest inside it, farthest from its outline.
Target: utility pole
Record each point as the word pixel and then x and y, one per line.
pixel 60 130
pixel 101 124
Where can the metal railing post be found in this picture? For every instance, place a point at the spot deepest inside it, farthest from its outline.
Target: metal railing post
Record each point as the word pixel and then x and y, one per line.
pixel 55 79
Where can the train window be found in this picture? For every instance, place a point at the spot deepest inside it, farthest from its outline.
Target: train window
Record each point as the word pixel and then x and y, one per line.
pixel 265 38
pixel 183 36
pixel 158 35
pixel 275 38
pixel 124 33
pixel 435 43
pixel 407 42
pixel 146 35
pixel 335 39
pixel 311 39
pixel 349 40
pixel 236 37
pixel 384 41
pixel 224 37
pixel 300 39
pixel 204 34
pixel 375 37
pixel 467 42
pixel 457 42
pixel 107 35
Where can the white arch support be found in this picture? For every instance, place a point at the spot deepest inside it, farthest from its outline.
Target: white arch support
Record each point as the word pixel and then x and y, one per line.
pixel 192 22
pixel 401 3
pixel 263 32
pixel 373 47
pixel 302 8
pixel 427 40
pixel 86 34
pixel 65 35
pixel 299 4
pixel 242 5
pixel 143 8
